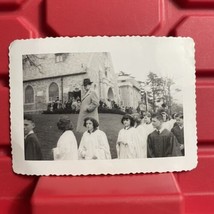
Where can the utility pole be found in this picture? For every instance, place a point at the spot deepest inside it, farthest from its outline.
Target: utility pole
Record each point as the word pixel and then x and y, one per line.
pixel 62 89
pixel 146 100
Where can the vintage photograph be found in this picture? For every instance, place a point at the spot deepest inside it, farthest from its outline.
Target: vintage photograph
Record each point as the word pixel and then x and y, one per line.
pixel 76 106
pixel 106 105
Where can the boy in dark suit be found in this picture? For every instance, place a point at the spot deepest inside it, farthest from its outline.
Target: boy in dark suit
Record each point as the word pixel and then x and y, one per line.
pixel 161 142
pixel 178 131
pixel 32 145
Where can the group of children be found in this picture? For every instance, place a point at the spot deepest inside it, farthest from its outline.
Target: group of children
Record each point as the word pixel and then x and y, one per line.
pixel 149 137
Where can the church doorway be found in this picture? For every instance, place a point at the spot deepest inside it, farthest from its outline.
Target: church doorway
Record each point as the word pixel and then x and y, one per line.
pixel 74 95
pixel 74 100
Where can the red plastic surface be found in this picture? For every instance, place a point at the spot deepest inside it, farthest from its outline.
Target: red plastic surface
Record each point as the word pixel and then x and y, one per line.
pixel 4 109
pixel 196 27
pixel 185 192
pixel 205 101
pixel 158 193
pixel 197 186
pixel 104 17
pixel 15 190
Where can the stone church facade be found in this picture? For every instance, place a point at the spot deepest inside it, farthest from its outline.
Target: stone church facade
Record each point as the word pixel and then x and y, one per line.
pixel 129 91
pixel 48 76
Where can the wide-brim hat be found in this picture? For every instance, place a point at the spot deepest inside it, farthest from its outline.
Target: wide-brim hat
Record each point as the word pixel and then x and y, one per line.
pixel 87 81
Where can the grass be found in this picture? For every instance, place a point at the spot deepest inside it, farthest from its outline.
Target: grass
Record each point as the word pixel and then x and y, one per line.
pixel 48 133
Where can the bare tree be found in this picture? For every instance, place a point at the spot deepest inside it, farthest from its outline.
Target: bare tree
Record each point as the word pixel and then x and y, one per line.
pixel 32 60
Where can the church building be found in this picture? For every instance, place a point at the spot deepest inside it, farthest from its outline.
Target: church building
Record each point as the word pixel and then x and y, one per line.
pixel 129 90
pixel 47 77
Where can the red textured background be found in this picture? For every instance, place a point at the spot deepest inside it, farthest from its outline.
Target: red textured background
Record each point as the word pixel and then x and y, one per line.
pixel 177 193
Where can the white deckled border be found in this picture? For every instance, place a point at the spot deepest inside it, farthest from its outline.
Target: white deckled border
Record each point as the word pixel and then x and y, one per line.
pixel 184 46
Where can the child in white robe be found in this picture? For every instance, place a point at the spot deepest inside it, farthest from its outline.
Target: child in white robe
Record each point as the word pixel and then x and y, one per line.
pixel 128 140
pixel 67 145
pixel 168 122
pixel 147 123
pixel 94 143
pixel 144 129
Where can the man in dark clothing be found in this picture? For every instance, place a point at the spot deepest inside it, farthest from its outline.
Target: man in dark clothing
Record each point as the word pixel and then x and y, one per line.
pixel 161 142
pixel 178 131
pixel 32 145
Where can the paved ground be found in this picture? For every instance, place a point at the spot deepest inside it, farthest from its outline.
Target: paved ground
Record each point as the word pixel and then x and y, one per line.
pixel 48 133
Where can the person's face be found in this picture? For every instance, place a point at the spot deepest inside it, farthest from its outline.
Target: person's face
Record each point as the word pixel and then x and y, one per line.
pixel 147 119
pixel 126 122
pixel 87 87
pixel 156 123
pixel 28 126
pixel 164 117
pixel 89 125
pixel 138 119
pixel 179 121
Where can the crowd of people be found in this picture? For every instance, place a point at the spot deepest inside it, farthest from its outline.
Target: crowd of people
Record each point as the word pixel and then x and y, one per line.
pixel 143 135
pixel 147 136
pixel 72 105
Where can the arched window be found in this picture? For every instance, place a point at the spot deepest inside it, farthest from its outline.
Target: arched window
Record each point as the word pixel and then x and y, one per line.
pixel 110 94
pixel 53 91
pixel 29 94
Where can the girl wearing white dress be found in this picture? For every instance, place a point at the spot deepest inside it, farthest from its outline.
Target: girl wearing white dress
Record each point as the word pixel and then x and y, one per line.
pixel 94 143
pixel 128 141
pixel 144 129
pixel 67 145
pixel 147 123
pixel 168 122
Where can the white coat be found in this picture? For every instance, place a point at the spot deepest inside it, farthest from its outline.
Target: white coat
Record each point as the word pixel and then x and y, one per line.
pixel 66 147
pixel 88 108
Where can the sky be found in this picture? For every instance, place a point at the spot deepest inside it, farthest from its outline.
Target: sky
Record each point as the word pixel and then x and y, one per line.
pixel 163 59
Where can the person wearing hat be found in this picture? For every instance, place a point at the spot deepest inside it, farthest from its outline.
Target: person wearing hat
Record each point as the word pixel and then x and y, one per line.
pixel 67 145
pixel 89 106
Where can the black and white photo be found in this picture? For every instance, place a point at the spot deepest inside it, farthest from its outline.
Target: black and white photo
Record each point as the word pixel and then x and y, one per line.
pixel 111 106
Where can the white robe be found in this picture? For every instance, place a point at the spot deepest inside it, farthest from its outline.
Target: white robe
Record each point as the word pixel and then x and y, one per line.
pixel 169 124
pixel 66 147
pixel 149 128
pixel 94 144
pixel 128 144
pixel 143 131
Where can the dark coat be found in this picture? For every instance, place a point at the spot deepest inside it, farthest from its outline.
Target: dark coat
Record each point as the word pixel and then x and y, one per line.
pixel 179 134
pixel 32 148
pixel 164 144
